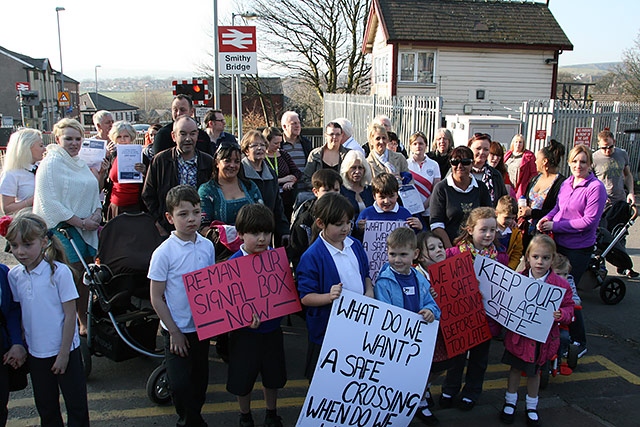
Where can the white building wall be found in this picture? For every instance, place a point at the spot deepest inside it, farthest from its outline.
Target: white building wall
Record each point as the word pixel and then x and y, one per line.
pixel 508 78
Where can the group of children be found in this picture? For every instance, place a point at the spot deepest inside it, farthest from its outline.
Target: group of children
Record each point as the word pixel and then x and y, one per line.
pixel 333 261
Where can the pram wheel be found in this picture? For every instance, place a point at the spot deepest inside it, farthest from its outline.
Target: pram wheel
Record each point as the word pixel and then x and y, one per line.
pixel 158 386
pixel 612 290
pixel 85 354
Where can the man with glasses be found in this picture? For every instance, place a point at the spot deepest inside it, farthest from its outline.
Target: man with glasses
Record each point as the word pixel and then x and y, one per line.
pixel 611 166
pixel 293 142
pixel 215 123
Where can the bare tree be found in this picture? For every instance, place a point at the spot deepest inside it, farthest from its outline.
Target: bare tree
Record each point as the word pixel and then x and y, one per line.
pixel 318 42
pixel 629 71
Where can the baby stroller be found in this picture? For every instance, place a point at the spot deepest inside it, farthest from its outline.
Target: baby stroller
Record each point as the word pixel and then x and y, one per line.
pixel 614 226
pixel 121 323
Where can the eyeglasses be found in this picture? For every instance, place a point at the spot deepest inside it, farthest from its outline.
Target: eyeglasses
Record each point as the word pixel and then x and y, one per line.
pixel 607 147
pixel 257 146
pixel 482 136
pixel 463 162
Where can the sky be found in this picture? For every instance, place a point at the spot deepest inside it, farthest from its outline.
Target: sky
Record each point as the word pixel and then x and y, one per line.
pixel 163 39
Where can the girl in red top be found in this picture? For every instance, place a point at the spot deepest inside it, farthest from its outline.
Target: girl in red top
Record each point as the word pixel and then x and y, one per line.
pixel 478 237
pixel 524 354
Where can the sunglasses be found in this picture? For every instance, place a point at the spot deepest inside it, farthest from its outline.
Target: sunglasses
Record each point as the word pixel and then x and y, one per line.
pixel 607 147
pixel 463 162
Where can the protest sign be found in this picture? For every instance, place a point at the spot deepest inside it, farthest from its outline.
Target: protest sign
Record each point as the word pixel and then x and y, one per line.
pixel 373 365
pixel 463 322
pixel 223 297
pixel 375 243
pixel 93 152
pixel 519 303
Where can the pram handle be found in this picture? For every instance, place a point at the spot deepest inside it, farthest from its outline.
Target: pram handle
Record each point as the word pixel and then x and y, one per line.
pixel 63 230
pixel 634 212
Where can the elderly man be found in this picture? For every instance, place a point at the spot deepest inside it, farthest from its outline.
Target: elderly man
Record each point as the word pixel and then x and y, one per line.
pixel 348 141
pixel 103 122
pixel 293 143
pixel 183 164
pixel 214 127
pixel 182 105
pixel 611 166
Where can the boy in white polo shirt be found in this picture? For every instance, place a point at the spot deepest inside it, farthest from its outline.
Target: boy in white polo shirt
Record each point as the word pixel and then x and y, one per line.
pixel 186 357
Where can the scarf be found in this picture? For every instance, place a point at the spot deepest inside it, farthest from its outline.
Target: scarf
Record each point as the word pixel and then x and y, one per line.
pixel 486 178
pixel 489 251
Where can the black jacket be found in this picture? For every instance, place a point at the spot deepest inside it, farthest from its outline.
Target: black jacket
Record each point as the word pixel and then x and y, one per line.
pixel 162 176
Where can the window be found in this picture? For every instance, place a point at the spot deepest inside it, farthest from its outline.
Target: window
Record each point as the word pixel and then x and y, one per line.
pixel 417 66
pixel 381 69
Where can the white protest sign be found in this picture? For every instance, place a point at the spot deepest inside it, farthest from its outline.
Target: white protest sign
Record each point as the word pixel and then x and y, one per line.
pixel 375 243
pixel 373 365
pixel 93 151
pixel 520 304
pixel 411 199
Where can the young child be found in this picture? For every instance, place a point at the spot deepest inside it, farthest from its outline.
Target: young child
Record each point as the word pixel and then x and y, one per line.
pixel 523 354
pixel 333 261
pixel 431 251
pixel 323 181
pixel 186 357
pixel 258 348
pixel 478 237
pixel 385 192
pixel 576 335
pixel 43 285
pixel 401 285
pixel 508 234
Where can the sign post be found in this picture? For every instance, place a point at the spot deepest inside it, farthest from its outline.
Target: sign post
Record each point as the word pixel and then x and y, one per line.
pixel 237 47
pixel 22 87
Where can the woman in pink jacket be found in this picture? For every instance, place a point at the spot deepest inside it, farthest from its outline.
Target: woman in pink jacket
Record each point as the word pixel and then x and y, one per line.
pixel 524 354
pixel 521 165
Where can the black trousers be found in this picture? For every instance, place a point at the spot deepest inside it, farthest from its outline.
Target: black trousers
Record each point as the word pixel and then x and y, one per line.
pixel 47 386
pixel 188 379
pixel 476 368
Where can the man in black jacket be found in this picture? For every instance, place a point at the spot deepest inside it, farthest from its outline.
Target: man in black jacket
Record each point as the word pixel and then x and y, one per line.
pixel 182 105
pixel 183 164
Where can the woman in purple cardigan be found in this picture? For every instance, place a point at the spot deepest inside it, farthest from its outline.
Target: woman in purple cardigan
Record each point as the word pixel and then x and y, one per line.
pixel 575 218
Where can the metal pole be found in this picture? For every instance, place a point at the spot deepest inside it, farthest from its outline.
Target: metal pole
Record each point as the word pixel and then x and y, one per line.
pixel 96 71
pixel 58 10
pixel 216 77
pixel 232 88
pixel 239 104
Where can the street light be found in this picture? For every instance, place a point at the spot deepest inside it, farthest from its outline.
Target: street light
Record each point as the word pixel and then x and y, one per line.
pixel 96 71
pixel 58 10
pixel 246 16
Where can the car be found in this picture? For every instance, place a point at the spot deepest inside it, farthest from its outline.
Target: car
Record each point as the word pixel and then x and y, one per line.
pixel 141 127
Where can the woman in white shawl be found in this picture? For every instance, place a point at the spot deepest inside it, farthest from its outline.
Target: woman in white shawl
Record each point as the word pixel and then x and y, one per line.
pixel 67 194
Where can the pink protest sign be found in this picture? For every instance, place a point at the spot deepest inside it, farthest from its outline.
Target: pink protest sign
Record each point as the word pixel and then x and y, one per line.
pixel 223 297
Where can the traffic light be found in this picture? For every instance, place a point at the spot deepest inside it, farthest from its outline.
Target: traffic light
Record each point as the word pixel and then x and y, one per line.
pixel 198 90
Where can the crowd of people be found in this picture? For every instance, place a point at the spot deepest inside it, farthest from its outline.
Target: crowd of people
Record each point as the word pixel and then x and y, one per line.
pixel 277 190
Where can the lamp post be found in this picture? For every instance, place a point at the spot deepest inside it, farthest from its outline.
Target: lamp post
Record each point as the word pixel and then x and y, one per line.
pixel 58 10
pixel 96 72
pixel 246 16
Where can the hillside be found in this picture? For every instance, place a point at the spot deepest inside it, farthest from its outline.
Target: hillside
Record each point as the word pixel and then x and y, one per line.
pixel 595 70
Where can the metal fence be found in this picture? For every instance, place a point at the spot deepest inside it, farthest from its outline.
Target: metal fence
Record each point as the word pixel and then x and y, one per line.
pixel 560 121
pixel 408 114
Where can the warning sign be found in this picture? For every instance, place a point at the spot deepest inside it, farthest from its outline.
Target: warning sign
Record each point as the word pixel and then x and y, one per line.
pixel 582 136
pixel 63 99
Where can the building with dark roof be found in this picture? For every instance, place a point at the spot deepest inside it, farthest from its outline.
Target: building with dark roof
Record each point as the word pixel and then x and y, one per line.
pixel 481 56
pixel 43 110
pixel 92 102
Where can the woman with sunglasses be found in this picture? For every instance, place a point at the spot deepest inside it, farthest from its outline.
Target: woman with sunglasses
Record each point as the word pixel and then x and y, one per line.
pixel 480 145
pixel 255 168
pixel 455 196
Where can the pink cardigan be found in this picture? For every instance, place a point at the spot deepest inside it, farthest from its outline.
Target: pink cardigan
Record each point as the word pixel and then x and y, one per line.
pixel 525 348
pixel 528 170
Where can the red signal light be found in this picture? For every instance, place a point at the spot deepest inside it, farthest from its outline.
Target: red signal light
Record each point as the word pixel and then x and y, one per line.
pixel 197 88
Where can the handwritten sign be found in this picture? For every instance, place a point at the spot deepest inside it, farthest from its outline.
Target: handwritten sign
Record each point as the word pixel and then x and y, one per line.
pixel 375 243
pixel 463 322
pixel 373 365
pixel 582 136
pixel 519 303
pixel 223 297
